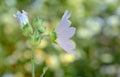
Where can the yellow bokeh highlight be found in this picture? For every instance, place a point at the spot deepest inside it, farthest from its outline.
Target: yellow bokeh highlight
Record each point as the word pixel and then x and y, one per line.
pixel 52 61
pixel 43 43
pixel 67 58
pixel 39 56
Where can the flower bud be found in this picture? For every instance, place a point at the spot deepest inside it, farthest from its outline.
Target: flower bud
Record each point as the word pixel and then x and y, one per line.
pixel 27 30
pixel 39 25
pixel 35 38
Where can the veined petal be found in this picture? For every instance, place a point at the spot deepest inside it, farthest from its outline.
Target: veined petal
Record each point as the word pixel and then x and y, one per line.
pixel 64 23
pixel 67 45
pixel 66 15
pixel 67 33
pixel 64 32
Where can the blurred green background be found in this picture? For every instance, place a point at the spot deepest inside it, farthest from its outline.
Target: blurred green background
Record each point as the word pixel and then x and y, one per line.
pixel 97 39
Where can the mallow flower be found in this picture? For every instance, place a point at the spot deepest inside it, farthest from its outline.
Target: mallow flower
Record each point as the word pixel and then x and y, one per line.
pixel 64 33
pixel 22 18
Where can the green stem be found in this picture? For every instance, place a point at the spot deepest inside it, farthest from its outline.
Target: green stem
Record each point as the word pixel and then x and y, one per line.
pixel 44 71
pixel 33 63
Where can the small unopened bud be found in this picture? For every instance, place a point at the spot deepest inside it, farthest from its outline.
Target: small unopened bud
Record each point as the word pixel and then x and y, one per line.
pixel 38 23
pixel 27 30
pixel 35 38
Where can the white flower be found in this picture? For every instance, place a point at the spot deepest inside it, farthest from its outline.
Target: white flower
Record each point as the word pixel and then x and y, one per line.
pixel 22 18
pixel 64 32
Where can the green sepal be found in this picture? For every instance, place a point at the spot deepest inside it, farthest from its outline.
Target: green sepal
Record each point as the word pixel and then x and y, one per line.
pixel 35 39
pixel 38 24
pixel 27 29
pixel 53 36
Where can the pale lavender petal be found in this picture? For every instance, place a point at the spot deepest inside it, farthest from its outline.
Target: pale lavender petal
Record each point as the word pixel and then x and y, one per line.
pixel 22 18
pixel 66 15
pixel 64 33
pixel 18 16
pixel 64 23
pixel 67 33
pixel 25 17
pixel 67 45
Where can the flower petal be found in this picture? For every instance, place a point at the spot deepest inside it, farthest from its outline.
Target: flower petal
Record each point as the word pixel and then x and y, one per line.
pixel 22 18
pixel 64 23
pixel 67 45
pixel 64 33
pixel 67 33
pixel 66 15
